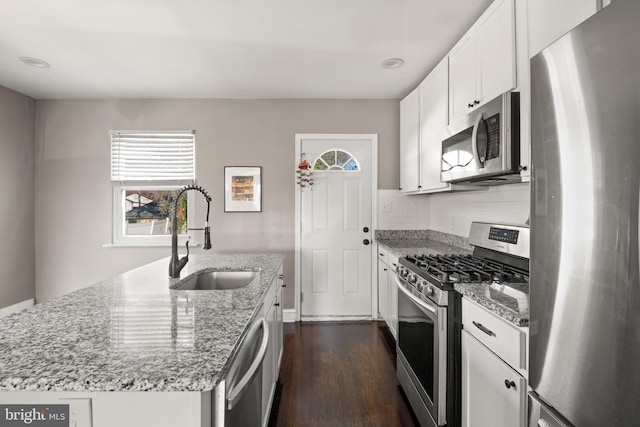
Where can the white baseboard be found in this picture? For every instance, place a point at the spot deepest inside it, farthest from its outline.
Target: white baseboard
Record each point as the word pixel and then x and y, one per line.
pixel 336 318
pixel 289 315
pixel 15 308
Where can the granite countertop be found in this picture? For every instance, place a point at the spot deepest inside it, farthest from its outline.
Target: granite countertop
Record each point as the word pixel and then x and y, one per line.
pixel 411 242
pixel 405 247
pixel 134 333
pixel 509 301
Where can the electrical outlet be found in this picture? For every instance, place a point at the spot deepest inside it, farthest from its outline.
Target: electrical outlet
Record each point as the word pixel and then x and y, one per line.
pixel 387 207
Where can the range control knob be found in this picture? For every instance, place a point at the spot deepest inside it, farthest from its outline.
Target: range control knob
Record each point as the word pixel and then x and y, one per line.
pixel 420 286
pixel 412 278
pixel 428 290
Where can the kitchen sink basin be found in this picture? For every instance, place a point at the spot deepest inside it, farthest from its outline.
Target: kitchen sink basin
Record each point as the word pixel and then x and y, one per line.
pixel 217 280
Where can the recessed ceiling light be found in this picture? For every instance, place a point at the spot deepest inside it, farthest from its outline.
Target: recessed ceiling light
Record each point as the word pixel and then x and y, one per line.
pixel 392 63
pixel 34 62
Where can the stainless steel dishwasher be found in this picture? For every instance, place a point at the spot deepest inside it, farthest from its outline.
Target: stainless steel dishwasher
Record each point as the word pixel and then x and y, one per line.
pixel 237 399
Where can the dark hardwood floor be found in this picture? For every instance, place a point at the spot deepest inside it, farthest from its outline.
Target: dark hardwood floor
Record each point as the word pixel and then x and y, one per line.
pixel 339 374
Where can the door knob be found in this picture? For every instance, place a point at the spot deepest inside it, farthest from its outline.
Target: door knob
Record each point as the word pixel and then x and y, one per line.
pixel 366 241
pixel 366 229
pixel 510 384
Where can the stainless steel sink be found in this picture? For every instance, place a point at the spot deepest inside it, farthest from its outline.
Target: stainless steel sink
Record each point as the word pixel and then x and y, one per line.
pixel 217 280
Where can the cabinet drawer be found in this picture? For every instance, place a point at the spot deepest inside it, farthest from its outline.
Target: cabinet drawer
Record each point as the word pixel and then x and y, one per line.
pixel 505 340
pixel 383 254
pixel 393 261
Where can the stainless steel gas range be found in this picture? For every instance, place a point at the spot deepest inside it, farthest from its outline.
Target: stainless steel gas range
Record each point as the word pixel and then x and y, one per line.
pixel 429 315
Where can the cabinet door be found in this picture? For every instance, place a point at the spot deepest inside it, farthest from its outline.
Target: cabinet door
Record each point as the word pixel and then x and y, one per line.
pixel 393 305
pixel 486 399
pixel 463 76
pixel 409 142
pixel 551 19
pixel 497 45
pixel 434 96
pixel 278 331
pixel 383 291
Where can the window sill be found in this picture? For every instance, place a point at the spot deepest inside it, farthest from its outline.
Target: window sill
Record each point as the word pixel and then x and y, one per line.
pixel 147 245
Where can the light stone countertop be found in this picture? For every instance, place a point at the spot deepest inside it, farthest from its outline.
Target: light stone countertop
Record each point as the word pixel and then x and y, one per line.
pixel 509 301
pixel 408 247
pixel 134 333
pixel 413 242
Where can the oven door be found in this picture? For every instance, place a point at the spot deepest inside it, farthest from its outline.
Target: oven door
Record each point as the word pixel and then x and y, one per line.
pixel 422 349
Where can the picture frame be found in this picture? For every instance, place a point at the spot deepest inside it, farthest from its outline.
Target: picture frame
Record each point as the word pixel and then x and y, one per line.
pixel 243 188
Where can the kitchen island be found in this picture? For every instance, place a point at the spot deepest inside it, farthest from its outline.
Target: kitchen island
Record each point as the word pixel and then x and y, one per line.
pixel 134 333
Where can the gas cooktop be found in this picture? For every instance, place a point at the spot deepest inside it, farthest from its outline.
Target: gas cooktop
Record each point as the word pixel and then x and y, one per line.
pixel 449 269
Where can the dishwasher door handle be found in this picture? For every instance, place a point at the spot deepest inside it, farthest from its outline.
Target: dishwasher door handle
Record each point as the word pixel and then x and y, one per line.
pixel 236 393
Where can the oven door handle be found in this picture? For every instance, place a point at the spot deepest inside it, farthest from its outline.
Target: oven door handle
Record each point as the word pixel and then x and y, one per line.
pixel 418 301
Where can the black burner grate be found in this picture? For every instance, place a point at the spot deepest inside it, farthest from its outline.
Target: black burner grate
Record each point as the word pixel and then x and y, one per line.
pixel 466 269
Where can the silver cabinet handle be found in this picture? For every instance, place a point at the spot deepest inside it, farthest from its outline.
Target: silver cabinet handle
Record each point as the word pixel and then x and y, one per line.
pixel 484 329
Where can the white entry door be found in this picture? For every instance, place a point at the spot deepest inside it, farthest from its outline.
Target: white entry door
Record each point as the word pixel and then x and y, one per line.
pixel 336 230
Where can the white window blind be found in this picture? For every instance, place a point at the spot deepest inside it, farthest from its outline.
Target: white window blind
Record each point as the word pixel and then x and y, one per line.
pixel 158 156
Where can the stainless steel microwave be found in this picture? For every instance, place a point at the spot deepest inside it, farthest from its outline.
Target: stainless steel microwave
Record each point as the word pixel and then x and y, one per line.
pixel 484 147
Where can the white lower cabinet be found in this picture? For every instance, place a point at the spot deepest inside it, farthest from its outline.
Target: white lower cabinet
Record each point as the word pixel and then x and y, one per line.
pixel 493 394
pixel 387 290
pixel 494 367
pixel 271 365
pixel 384 305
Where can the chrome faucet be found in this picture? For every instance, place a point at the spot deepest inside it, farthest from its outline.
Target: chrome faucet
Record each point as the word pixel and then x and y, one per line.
pixel 175 264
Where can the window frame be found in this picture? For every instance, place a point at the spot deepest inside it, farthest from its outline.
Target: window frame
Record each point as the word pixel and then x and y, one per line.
pixel 119 237
pixel 118 217
pixel 330 168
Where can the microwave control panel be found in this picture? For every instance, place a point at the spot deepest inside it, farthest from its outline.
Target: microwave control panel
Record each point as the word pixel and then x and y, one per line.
pixel 493 136
pixel 504 235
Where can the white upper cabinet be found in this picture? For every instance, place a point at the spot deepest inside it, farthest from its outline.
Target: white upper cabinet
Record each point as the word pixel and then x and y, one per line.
pixel 434 103
pixel 463 76
pixel 409 142
pixel 551 19
pixel 423 118
pixel 482 65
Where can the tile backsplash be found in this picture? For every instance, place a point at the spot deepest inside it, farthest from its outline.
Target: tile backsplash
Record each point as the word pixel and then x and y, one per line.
pixel 452 213
pixel 399 212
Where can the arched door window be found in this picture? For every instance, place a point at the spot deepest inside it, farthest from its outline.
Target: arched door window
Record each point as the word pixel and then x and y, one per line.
pixel 336 160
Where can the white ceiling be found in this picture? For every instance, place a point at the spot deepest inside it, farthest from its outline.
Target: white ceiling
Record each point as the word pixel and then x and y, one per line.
pixel 226 48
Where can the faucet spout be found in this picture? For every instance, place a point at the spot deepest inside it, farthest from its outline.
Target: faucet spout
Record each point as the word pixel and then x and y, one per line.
pixel 176 264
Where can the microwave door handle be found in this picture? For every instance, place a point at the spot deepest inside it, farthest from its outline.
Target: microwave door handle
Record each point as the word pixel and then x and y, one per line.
pixel 474 142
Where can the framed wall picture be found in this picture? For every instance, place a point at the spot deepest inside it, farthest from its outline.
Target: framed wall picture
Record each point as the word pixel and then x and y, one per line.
pixel 243 189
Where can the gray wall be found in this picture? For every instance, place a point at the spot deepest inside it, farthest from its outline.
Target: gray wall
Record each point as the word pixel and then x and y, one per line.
pixel 17 245
pixel 73 201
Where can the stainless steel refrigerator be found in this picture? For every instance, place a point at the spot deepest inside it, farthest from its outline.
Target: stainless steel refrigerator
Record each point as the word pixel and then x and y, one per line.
pixel 585 283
